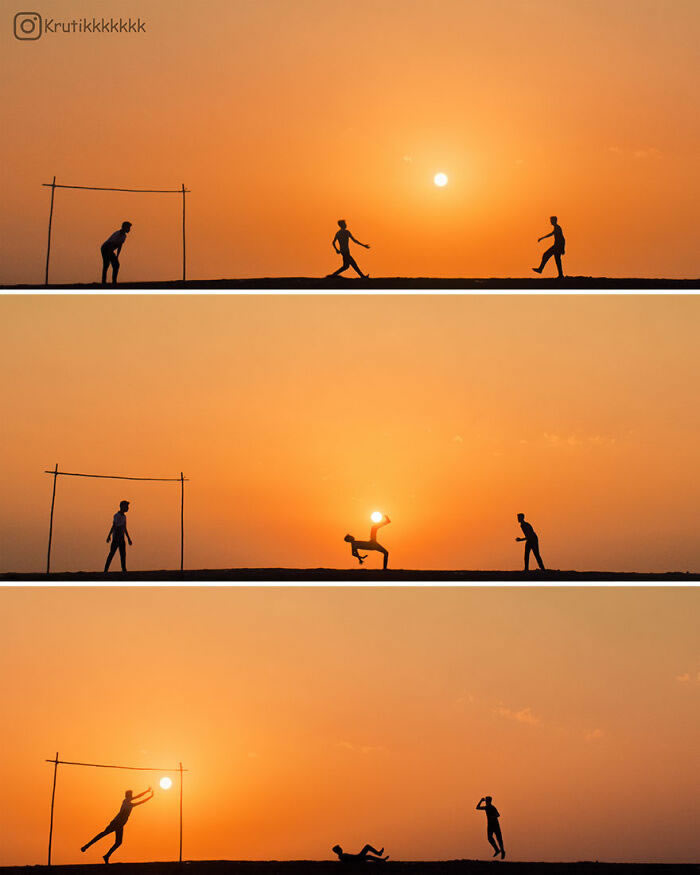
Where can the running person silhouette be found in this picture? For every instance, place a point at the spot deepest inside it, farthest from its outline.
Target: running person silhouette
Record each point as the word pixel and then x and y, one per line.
pixel 371 544
pixel 532 542
pixel 117 534
pixel 556 250
pixel 116 825
pixel 110 250
pixel 367 854
pixel 341 244
pixel 493 829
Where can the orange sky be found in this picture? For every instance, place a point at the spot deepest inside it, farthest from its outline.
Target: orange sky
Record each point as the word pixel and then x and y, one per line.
pixel 283 117
pixel 296 416
pixel 314 716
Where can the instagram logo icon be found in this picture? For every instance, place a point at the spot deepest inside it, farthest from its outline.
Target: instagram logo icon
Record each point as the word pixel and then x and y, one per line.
pixel 27 25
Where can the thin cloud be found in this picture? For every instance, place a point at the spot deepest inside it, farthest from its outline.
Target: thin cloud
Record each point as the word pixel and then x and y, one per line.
pixel 594 735
pixel 525 715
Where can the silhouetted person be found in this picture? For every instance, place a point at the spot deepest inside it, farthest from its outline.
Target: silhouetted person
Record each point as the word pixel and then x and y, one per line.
pixel 341 244
pixel 556 250
pixel 110 250
pixel 531 542
pixel 117 534
pixel 367 854
pixel 371 544
pixel 493 828
pixel 117 824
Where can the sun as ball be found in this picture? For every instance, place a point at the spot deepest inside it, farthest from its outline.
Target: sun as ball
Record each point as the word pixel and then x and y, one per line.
pixel 166 783
pixel 377 516
pixel 440 179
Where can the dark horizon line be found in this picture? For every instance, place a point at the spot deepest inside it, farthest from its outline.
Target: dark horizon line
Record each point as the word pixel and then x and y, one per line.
pixel 388 282
pixel 272 574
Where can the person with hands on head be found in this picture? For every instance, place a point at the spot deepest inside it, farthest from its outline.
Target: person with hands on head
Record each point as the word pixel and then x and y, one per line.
pixel 493 829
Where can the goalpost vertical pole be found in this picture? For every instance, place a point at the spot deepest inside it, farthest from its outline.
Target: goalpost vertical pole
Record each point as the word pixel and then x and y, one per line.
pixel 53 502
pixel 180 811
pixel 53 796
pixel 182 523
pixel 48 245
pixel 183 232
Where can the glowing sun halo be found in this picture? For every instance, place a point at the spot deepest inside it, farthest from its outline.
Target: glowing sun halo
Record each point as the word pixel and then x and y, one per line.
pixel 440 179
pixel 377 517
pixel 166 783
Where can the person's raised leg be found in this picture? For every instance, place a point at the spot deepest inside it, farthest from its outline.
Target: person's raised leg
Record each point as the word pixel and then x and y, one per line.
pixel 368 849
pixel 112 550
pixel 122 554
pixel 100 835
pixel 545 258
pixel 118 836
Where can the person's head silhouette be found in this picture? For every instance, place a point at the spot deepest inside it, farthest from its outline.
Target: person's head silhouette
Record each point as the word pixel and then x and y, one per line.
pixel 553 220
pixel 123 507
pixel 342 223
pixel 128 794
pixel 349 538
pixel 337 849
pixel 521 517
pixel 126 226
pixel 488 799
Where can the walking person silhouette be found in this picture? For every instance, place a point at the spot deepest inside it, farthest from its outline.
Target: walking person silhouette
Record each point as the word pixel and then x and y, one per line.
pixel 532 542
pixel 117 534
pixel 341 244
pixel 371 544
pixel 493 828
pixel 367 854
pixel 116 825
pixel 110 250
pixel 556 250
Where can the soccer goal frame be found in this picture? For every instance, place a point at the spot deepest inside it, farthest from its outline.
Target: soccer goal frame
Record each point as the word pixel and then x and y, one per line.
pixel 181 480
pixel 54 185
pixel 56 763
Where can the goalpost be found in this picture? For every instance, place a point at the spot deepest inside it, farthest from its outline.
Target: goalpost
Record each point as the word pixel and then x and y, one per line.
pixel 181 480
pixel 58 763
pixel 54 185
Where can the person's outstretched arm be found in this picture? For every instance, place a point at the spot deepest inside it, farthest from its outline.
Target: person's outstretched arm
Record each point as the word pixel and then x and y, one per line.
pixel 521 539
pixel 147 799
pixel 551 234
pixel 366 245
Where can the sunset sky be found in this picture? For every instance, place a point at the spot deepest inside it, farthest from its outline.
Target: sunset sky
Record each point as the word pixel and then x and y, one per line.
pixel 295 417
pixel 313 716
pixel 282 117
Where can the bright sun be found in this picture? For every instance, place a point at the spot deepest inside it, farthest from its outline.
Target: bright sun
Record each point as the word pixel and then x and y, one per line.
pixel 440 179
pixel 377 517
pixel 166 783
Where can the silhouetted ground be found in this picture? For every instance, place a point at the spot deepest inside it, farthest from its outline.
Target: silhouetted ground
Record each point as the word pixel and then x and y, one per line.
pixel 296 283
pixel 313 867
pixel 356 575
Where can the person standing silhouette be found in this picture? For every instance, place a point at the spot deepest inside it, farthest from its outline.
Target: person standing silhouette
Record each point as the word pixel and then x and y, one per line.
pixel 117 534
pixel 371 544
pixel 493 828
pixel 341 244
pixel 110 250
pixel 556 250
pixel 116 825
pixel 532 542
pixel 368 854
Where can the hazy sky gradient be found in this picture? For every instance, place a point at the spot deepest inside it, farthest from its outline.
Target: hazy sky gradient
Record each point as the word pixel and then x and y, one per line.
pixel 314 716
pixel 296 416
pixel 283 117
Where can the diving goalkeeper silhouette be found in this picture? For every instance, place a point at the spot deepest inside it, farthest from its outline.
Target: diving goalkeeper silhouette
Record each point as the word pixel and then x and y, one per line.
pixel 116 825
